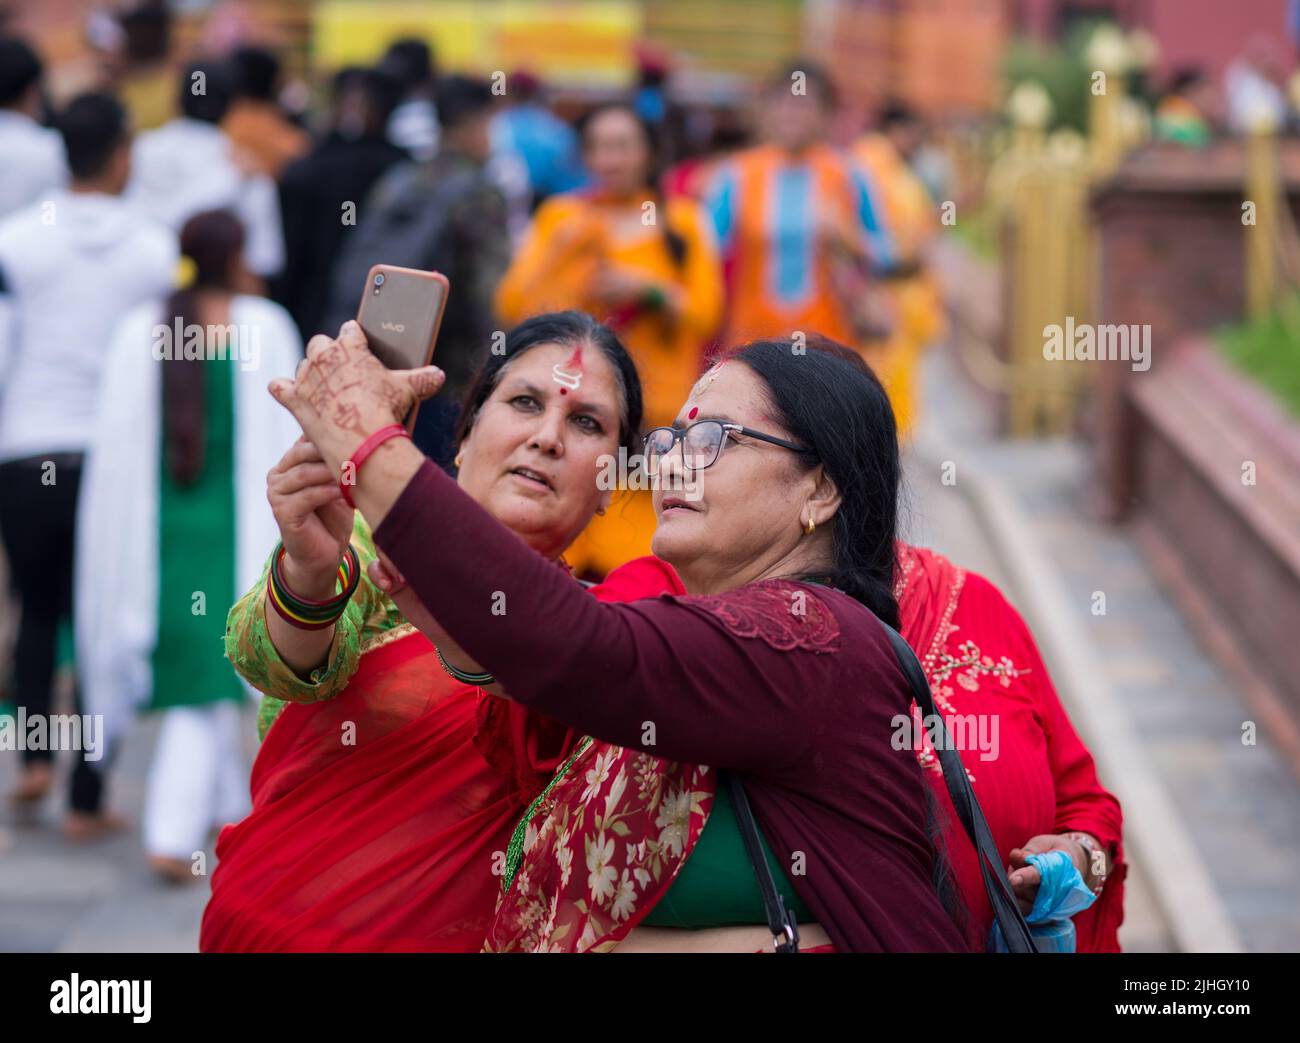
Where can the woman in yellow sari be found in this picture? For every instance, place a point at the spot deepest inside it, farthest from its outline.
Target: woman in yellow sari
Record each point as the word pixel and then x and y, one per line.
pixel 912 217
pixel 646 266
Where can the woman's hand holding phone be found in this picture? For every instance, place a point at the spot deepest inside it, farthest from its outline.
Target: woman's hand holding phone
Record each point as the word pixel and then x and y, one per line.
pixel 315 522
pixel 315 526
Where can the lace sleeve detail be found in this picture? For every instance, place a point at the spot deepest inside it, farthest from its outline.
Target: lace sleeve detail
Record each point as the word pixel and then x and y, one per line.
pixel 782 614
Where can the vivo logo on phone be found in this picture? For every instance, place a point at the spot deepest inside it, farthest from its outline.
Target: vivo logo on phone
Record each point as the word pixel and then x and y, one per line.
pixel 396 327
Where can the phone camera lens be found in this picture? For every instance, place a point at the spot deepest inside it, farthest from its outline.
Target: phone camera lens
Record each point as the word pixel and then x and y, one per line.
pixel 379 279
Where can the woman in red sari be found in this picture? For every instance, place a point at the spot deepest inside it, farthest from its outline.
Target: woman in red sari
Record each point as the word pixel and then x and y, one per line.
pixel 377 822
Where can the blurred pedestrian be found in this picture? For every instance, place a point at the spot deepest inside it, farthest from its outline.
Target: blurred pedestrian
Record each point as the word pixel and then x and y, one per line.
pixel 547 144
pixel 444 215
pixel 260 130
pixel 1254 88
pixel 415 123
pixel 188 166
pixel 70 266
pixel 184 438
pixel 320 194
pixel 916 307
pixel 139 44
pixel 33 154
pixel 647 267
pixel 798 225
pixel 1184 112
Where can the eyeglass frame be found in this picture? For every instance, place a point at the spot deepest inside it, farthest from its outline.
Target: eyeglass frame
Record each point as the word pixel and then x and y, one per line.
pixel 728 428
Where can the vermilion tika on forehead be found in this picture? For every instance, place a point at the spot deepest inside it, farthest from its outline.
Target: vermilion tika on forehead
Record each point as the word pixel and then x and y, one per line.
pixel 706 381
pixel 568 374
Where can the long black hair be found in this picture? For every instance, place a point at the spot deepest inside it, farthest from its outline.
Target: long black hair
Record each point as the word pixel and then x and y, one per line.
pixel 841 413
pixel 831 401
pixel 212 241
pixel 571 329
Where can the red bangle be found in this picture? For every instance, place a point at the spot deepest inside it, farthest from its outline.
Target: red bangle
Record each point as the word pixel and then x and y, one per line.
pixel 362 453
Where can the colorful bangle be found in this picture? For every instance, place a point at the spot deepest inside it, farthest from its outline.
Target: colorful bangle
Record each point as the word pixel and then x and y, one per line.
pixel 463 676
pixel 362 453
pixel 304 613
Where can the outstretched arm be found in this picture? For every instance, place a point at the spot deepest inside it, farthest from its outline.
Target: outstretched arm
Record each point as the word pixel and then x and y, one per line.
pixel 671 669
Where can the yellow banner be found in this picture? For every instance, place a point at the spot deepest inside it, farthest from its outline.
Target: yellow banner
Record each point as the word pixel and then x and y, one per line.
pixel 568 41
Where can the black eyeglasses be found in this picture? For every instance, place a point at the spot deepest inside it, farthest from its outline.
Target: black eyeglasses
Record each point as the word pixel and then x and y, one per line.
pixel 702 443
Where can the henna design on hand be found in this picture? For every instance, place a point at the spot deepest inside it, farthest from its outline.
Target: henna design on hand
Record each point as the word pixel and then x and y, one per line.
pixel 425 384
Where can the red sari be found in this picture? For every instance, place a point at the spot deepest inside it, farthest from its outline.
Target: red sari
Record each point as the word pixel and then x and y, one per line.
pixel 381 817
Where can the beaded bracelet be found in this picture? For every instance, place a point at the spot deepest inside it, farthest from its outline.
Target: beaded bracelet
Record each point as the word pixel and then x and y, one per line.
pixel 463 676
pixel 304 613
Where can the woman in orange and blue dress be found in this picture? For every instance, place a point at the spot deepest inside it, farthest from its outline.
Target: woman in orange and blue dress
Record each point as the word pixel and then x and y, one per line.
pixel 799 225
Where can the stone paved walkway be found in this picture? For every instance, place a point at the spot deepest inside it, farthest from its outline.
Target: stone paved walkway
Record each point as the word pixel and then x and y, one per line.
pixel 1240 804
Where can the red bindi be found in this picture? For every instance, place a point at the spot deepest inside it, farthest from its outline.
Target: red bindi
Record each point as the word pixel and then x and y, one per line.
pixel 564 391
pixel 692 414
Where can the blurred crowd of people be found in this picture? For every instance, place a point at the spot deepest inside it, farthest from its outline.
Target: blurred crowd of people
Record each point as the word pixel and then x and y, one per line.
pixel 165 200
pixel 1255 93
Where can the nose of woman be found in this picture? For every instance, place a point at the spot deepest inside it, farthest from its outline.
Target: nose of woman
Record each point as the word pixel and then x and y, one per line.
pixel 672 475
pixel 548 435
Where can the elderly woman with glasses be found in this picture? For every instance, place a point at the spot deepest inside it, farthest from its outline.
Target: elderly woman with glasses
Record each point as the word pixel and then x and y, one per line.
pixel 772 665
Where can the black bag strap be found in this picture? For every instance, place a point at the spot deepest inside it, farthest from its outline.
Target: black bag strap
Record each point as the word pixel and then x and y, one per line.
pixel 780 921
pixel 1006 911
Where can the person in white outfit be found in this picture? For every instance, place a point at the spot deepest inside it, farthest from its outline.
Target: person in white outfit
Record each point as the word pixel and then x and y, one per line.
pixel 188 165
pixel 70 266
pixel 185 436
pixel 33 155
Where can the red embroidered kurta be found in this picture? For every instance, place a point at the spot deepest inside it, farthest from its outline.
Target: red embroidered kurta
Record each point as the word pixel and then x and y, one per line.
pixel 981 660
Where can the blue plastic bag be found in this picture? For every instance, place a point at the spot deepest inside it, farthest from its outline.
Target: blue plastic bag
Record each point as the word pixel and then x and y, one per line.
pixel 1061 894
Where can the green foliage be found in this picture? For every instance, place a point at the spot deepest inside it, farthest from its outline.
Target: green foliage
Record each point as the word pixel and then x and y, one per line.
pixel 1268 351
pixel 1062 75
pixel 977 231
pixel 1063 70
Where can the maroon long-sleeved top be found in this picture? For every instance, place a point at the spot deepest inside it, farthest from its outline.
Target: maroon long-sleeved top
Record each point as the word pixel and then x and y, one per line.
pixel 790 684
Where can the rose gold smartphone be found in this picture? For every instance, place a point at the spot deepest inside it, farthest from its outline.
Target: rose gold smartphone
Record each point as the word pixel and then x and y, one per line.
pixel 401 310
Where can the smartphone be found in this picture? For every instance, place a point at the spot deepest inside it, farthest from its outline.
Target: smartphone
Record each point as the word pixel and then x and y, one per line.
pixel 401 310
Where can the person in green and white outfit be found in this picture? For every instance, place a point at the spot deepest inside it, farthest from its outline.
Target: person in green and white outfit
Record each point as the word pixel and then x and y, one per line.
pixel 174 524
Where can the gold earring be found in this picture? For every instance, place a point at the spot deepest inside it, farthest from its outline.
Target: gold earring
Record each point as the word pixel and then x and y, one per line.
pixel 457 461
pixel 809 527
pixel 600 511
